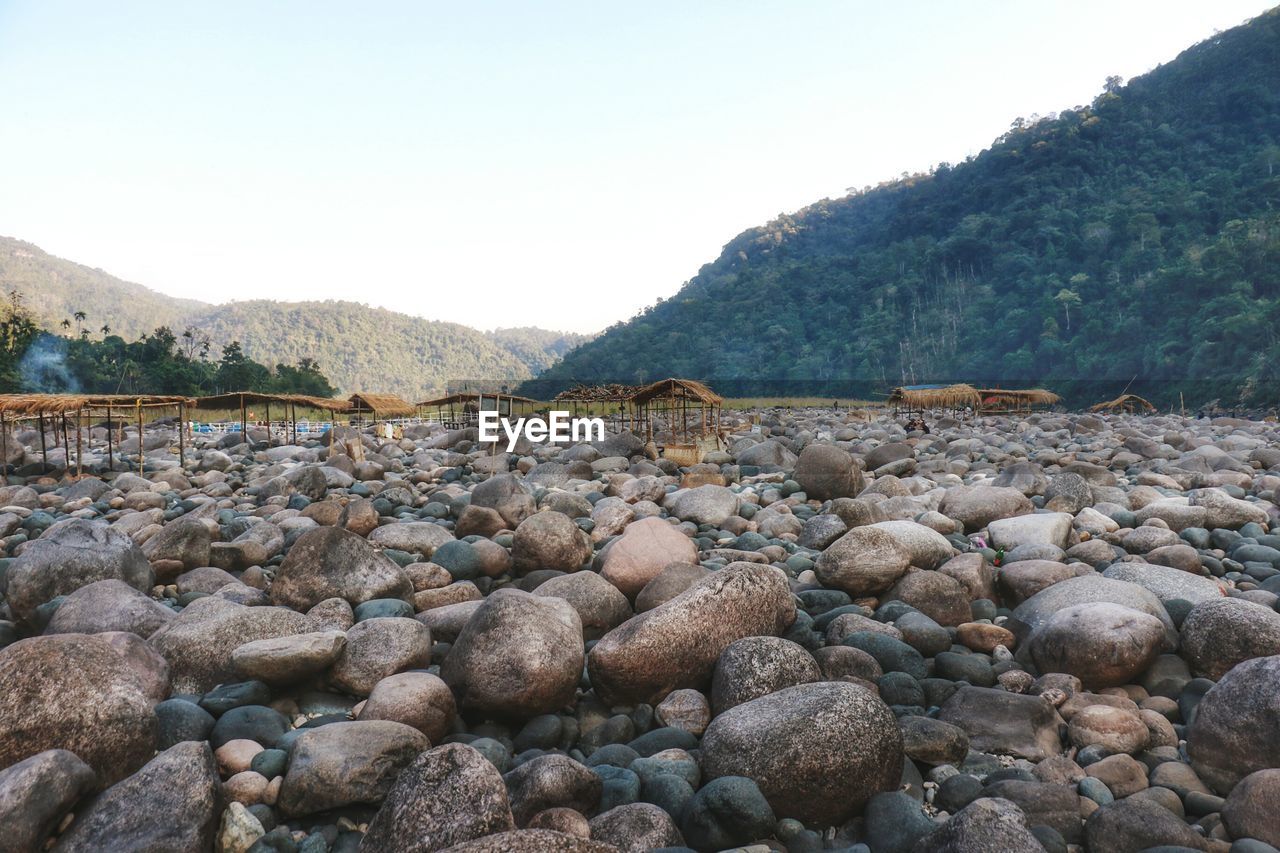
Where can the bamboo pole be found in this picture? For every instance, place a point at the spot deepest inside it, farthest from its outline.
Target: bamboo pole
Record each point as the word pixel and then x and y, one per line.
pixel 182 435
pixel 4 448
pixel 141 454
pixel 111 463
pixel 44 450
pixel 244 421
pixel 79 442
pixel 268 403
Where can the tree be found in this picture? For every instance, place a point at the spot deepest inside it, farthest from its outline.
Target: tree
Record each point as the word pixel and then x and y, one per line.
pixel 80 318
pixel 1066 298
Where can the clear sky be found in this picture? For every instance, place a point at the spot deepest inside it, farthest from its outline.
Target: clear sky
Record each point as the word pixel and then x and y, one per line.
pixel 497 164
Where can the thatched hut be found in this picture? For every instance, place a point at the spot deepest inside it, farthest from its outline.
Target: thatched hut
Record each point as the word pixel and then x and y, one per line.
pixel 918 399
pixel 286 403
pixel 58 409
pixel 1129 404
pixel 689 411
pixel 614 401
pixel 999 401
pixel 462 409
pixel 379 406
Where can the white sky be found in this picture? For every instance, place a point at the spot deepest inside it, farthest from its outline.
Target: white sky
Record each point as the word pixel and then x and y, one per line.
pixel 554 164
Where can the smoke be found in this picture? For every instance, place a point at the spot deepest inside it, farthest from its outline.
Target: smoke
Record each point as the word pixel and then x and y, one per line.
pixel 44 367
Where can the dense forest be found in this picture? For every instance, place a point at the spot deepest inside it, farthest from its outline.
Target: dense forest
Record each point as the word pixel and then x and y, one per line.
pixel 1135 239
pixel 361 348
pixel 159 362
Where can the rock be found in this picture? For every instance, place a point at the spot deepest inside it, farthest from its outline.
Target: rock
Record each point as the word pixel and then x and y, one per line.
pixel 330 562
pixel 1132 825
pixel 69 555
pixel 238 830
pixel 1122 774
pixel 687 710
pixel 1224 511
pixel 678 643
pixel 184 541
pixel 446 796
pixel 1087 589
pixel 645 548
pixel 725 813
pixel 1057 806
pixel 864 561
pixel 518 655
pixel 984 824
pixel 415 537
pixel 172 803
pixel 1027 477
pixel 825 472
pixel 756 666
pixel 36 792
pixel 670 582
pixel 1166 583
pixel 773 741
pixel 109 605
pixel 1219 633
pixel 416 699
pixel 1236 731
pixel 284 660
pixel 977 506
pixel 532 841
pixel 1023 579
pixel 1068 492
pixel 75 692
pixel 931 741
pixel 705 505
pixel 769 454
pixel 343 764
pixel 934 594
pixel 1005 723
pixel 894 822
pixel 928 548
pixel 1041 528
pixel 1102 644
pixel 551 781
pixel 974 573
pixel 549 540
pixel 636 827
pixel 1251 808
pixel 601 606
pixel 199 642
pixel 377 648
pixel 1115 729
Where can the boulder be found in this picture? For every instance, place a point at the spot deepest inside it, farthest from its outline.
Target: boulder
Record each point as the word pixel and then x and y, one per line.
pixel 1219 633
pixel 977 506
pixel 69 555
pixel 1236 730
pixel 1252 806
pixel 36 792
pixel 414 537
pixel 635 828
pixel 343 764
pixel 551 781
pixel 172 803
pixel 1005 723
pixel 75 692
pixel 549 540
pixel 445 796
pixel 378 647
pixel 288 659
pixel 109 605
pixel 864 561
pixel 1102 644
pixel 184 540
pixel 1167 584
pixel 645 548
pixel 601 606
pixel 677 644
pixel 817 751
pixel 757 666
pixel 1133 824
pixel 1087 589
pixel 825 472
pixel 1041 528
pixel 518 655
pixel 985 824
pixel 934 594
pixel 331 562
pixel 417 699
pixel 704 505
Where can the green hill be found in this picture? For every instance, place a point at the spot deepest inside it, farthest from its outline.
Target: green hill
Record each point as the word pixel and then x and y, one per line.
pixel 357 347
pixel 1138 236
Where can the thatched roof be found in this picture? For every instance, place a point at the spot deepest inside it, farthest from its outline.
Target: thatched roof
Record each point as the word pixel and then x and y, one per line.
pixel 934 396
pixel 234 399
pixel 1124 403
pixel 1026 397
pixel 57 404
pixel 469 396
pixel 677 389
pixel 381 405
pixel 611 393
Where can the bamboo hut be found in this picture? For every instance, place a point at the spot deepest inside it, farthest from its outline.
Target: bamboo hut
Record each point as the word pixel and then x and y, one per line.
pixel 615 401
pixel 913 400
pixel 57 410
pixel 379 406
pixel 462 409
pixel 690 412
pixel 1001 401
pixel 1129 404
pixel 287 404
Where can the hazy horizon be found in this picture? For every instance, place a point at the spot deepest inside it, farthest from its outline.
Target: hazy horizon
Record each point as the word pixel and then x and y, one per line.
pixel 561 166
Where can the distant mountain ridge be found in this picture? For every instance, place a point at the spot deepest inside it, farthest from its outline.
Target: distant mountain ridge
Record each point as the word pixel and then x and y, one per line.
pixel 358 347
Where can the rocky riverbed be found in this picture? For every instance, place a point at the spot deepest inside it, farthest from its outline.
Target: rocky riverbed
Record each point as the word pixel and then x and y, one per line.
pixel 1052 633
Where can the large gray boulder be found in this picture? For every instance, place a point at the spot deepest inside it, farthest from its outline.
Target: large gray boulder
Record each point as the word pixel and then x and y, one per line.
pixel 1219 633
pixel 330 562
pixel 817 751
pixel 864 561
pixel 71 554
pixel 36 792
pixel 1236 730
pixel 549 540
pixel 109 605
pixel 1005 723
pixel 826 472
pixel 344 764
pixel 1102 644
pixel 1087 589
pixel 677 644
pixel 977 506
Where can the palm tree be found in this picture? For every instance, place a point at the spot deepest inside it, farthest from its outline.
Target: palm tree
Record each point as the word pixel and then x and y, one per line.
pixel 106 330
pixel 65 324
pixel 80 318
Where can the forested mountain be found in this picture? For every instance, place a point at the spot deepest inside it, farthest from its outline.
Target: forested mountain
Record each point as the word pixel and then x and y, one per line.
pixel 1138 236
pixel 356 346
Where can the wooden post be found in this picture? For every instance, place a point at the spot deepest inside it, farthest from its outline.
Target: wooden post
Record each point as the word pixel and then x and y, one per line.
pixel 182 435
pixel 268 423
pixel 44 451
pixel 66 446
pixel 111 465
pixel 244 421
pixel 4 448
pixel 79 442
pixel 141 453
